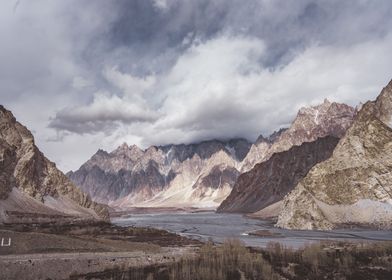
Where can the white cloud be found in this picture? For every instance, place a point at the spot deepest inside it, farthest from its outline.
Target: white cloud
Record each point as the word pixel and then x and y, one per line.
pixel 219 89
pixel 207 83
pixel 160 4
pixel 103 114
pixel 132 87
pixel 79 83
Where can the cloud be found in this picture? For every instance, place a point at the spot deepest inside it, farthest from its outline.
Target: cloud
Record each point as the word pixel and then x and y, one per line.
pixel 79 82
pixel 107 111
pixel 151 40
pixel 219 89
pixel 91 74
pixel 17 3
pixel 132 87
pixel 103 114
pixel 160 4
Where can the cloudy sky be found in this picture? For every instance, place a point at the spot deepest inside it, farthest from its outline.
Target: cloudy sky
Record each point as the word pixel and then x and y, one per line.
pixel 85 74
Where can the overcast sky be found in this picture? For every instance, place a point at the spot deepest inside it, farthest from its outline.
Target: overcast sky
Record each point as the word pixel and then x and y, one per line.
pixel 90 74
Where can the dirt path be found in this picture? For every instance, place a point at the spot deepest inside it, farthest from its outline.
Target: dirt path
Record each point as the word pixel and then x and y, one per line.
pixel 82 251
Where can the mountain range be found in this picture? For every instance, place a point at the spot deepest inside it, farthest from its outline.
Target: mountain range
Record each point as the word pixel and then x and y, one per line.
pixel 201 174
pixel 330 168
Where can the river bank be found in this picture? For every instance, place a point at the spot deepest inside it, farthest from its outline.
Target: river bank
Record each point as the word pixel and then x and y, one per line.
pixel 219 227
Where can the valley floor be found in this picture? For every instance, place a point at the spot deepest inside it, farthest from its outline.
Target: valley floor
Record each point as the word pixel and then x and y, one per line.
pixel 106 251
pixel 76 251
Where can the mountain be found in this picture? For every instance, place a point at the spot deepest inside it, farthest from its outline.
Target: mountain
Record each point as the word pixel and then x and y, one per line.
pixel 328 118
pixel 268 182
pixel 354 186
pixel 200 174
pixel 274 165
pixel 259 150
pixel 32 189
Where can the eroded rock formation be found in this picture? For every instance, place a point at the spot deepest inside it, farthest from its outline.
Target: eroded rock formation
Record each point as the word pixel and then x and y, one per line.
pixel 199 175
pixel 354 186
pixel 31 183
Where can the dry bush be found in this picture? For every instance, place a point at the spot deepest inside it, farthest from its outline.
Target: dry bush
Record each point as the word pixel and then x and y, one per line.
pixel 231 260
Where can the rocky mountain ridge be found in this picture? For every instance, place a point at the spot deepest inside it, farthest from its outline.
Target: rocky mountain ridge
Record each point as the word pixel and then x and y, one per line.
pixel 268 182
pixel 159 175
pixel 326 119
pixel 354 186
pixel 201 174
pixel 32 189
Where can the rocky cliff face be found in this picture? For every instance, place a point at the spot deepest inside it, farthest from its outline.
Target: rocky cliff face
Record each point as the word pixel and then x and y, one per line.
pixel 268 182
pixel 172 175
pixel 354 186
pixel 36 180
pixel 326 119
pixel 259 150
pixel 7 166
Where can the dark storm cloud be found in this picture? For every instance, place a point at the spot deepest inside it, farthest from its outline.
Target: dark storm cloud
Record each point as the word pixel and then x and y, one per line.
pixel 143 37
pixel 162 71
pixel 151 37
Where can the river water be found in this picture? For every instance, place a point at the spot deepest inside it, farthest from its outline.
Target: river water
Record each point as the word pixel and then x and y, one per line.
pixel 219 227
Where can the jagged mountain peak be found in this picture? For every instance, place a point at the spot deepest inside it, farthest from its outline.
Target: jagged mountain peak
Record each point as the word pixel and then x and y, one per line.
pixel 97 158
pixel 122 149
pixel 276 134
pixel 261 139
pixel 319 114
pixel 313 108
pixel 271 138
pixel 33 178
pixel 383 105
pixel 132 152
pixel 237 147
pixel 130 175
pixel 354 185
pixel 326 119
pixel 134 147
pixel 13 131
pixel 101 152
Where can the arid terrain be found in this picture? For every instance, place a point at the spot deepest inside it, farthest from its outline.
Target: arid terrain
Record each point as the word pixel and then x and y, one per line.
pixel 75 250
pixel 105 251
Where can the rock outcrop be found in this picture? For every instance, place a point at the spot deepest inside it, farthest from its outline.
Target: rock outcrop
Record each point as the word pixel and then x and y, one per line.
pixel 354 186
pixel 27 175
pixel 259 151
pixel 268 182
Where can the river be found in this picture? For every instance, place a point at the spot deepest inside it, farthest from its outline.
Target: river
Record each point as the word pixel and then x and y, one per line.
pixel 219 227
